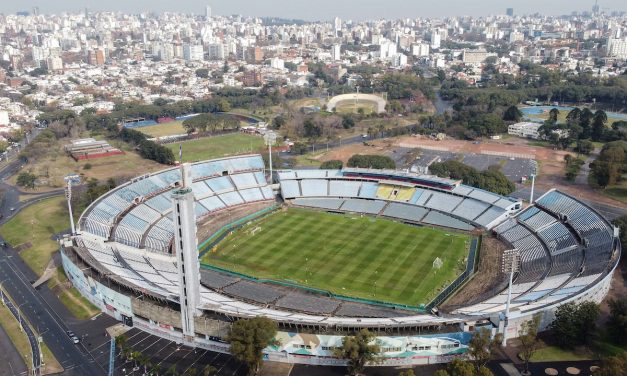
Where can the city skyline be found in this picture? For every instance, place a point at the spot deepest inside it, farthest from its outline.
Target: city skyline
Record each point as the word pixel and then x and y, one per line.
pixel 324 10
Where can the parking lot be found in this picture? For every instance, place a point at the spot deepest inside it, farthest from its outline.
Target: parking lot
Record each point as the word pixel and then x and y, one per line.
pixel 163 355
pixel 513 168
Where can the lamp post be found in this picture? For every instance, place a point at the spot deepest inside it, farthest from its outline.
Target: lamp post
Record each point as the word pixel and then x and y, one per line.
pixel 71 180
pixel 270 139
pixel 533 184
pixel 511 265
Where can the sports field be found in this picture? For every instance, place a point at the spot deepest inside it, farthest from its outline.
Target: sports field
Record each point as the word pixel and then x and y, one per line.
pixel 364 257
pixel 217 146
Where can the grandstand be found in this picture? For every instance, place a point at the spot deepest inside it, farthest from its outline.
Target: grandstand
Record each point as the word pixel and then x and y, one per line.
pixel 122 260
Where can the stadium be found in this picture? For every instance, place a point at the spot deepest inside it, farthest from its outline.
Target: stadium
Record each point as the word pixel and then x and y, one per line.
pixel 185 252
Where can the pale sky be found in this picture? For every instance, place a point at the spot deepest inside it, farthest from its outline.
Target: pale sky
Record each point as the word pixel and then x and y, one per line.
pixel 321 9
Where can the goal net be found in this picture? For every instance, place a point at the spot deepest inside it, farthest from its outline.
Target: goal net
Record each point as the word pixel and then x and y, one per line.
pixel 437 263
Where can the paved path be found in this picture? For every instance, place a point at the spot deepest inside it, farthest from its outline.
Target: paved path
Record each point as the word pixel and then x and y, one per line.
pixel 12 362
pixel 32 337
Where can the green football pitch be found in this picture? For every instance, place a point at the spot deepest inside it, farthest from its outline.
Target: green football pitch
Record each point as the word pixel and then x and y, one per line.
pixel 362 257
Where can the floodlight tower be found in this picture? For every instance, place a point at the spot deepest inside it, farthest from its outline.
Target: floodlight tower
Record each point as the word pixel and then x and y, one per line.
pixel 186 248
pixel 270 139
pixel 511 265
pixel 71 180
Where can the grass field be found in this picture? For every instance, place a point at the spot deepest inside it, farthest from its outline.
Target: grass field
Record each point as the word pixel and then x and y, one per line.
pixel 348 106
pixel 350 255
pixel 32 228
pixel 165 129
pixel 218 146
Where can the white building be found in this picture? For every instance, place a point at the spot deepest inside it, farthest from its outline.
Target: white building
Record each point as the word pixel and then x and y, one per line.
pixel 336 52
pixel 525 129
pixel 4 118
pixel 420 49
pixel 215 51
pixel 277 63
pixel 617 48
pixel 399 61
pixel 55 64
pixel 387 50
pixel 193 52
pixel 436 39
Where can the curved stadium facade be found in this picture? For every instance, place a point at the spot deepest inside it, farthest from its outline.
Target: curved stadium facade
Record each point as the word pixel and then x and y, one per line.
pixel 123 258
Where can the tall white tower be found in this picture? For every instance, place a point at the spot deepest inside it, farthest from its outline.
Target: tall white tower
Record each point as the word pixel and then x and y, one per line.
pixel 186 247
pixel 207 12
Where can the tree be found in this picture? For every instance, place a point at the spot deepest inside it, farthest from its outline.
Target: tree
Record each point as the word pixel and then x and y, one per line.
pixel 358 350
pixel 26 180
pixel 460 367
pixel 409 372
pixel 482 347
pixel 607 168
pixel 621 223
pixel 613 366
pixel 574 324
pixel 249 337
pixel 554 114
pixel 598 125
pixel 371 161
pixel 617 322
pixel 208 370
pixel 584 147
pixel 202 73
pixel 348 122
pixel 333 164
pixel 528 337
pixel 512 114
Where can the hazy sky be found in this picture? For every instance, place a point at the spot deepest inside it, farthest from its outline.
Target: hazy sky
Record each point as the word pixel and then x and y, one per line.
pixel 321 9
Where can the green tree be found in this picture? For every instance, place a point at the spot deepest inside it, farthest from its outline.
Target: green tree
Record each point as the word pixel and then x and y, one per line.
pixel 482 347
pixel 584 147
pixel 512 114
pixel 249 337
pixel 607 168
pixel 598 125
pixel 574 324
pixel 621 223
pixel 333 164
pixel 26 180
pixel 371 161
pixel 613 366
pixel 528 337
pixel 359 350
pixel 348 122
pixel 202 73
pixel 617 322
pixel 409 372
pixel 554 114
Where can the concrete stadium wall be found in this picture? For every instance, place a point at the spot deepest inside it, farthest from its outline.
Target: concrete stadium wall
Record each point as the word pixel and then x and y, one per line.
pixel 380 102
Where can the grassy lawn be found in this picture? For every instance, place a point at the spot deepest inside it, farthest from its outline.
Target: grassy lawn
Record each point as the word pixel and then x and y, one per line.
pixel 561 118
pixel 309 159
pixel 348 106
pixel 556 354
pixel 80 307
pixel 165 129
pixel 345 254
pixel 19 339
pixel 32 229
pixel 56 165
pixel 218 146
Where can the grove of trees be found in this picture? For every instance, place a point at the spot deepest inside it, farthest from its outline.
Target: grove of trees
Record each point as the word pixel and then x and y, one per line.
pixel 248 338
pixel 371 161
pixel 492 179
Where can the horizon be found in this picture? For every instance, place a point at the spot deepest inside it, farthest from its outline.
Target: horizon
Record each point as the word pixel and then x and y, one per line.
pixel 325 10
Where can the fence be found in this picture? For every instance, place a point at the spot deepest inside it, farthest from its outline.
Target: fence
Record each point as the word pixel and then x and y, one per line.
pixel 470 268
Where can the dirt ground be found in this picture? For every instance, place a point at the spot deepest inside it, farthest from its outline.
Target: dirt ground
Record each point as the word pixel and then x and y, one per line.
pixel 486 280
pixel 551 162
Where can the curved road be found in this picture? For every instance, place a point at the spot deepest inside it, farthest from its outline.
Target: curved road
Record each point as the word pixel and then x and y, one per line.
pixel 40 306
